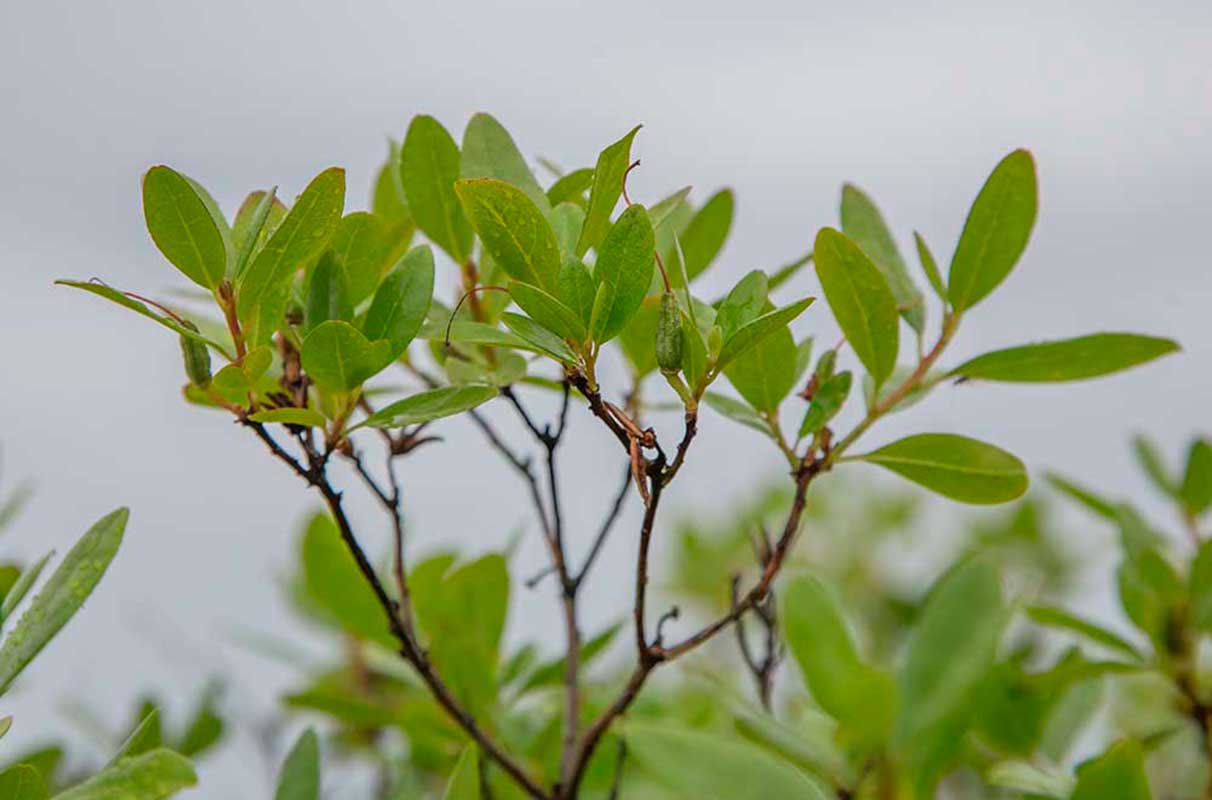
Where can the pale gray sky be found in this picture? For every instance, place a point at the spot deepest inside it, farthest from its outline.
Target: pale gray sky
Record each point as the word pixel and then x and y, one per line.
pixel 783 101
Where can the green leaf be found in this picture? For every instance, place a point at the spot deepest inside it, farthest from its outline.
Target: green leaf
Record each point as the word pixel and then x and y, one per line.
pixel 62 595
pixel 238 380
pixel 433 404
pixel 115 296
pixel 1154 464
pixel 736 411
pixel 703 237
pixel 549 312
pixel 605 192
pixel 1030 779
pixel 464 783
pixel 20 588
pixel 464 331
pixel 256 219
pixel 638 338
pixel 1067 359
pixel 623 273
pixel 765 373
pixel 754 332
pixel 566 222
pixel 489 152
pixel 290 416
pixel 542 339
pixel 205 727
pixel 429 167
pixel 861 301
pixel 863 223
pixel 22 782
pixel 695 764
pixel 364 247
pixel 152 776
pixel 1151 593
pixel 513 229
pixel 950 651
pixel 963 469
pixel 551 673
pixel 1196 489
pixel 664 210
pixel 577 287
pixel 145 737
pixel 402 301
pixel 571 188
pixel 1118 774
pixel 930 267
pixel 338 357
pixel 300 775
pixel 694 351
pixel 332 578
pixel 743 304
pixel 829 398
pixel 1059 618
pixel 996 231
pixel 327 295
pixel 181 225
pixel 296 244
pixel 858 696
pixel 1199 585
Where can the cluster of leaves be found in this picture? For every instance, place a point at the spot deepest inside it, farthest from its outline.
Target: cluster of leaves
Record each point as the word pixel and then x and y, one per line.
pixel 308 305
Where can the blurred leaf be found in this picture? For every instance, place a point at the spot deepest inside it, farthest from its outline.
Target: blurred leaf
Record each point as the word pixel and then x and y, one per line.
pixel 145 737
pixel 551 673
pixel 429 167
pixel 996 231
pixel 543 339
pixel 1058 618
pixel 1150 592
pixel 811 744
pixel 694 764
pixel 829 398
pixel 605 192
pixel 300 775
pixel 1067 359
pixel 1099 505
pixel 703 237
pixel 296 243
pixel 963 469
pixel 22 782
pixel 566 222
pixel 1030 779
pixel 1118 774
pixel 21 587
pixel 489 152
pixel 1196 490
pixel 571 188
pixel 623 272
pixel 736 411
pixel 205 727
pixel 151 776
pixel 638 338
pixel 464 783
pixel 1154 465
pixel 513 229
pixel 861 301
pixel 1199 585
pixel 788 271
pixel 930 267
pixel 181 225
pixel 337 356
pixel 665 209
pixel 863 223
pixel 549 312
pixel 402 301
pixel 62 595
pixel 860 697
pixel 333 579
pixel 290 416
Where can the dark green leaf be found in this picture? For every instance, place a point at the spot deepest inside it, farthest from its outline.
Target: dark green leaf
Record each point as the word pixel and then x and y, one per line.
pixel 513 229
pixel 623 272
pixel 828 400
pixel 955 466
pixel 930 267
pixel 151 776
pixel 489 152
pixel 256 218
pixel 1067 359
pixel 863 223
pixel 548 311
pixel 338 357
pixel 327 295
pixel 1196 489
pixel 300 775
pixel 62 595
pixel 429 167
pixel 743 304
pixel 434 404
pixel 754 332
pixel 861 301
pixel 543 339
pixel 402 301
pixel 577 287
pixel 181 225
pixel 606 190
pixel 996 231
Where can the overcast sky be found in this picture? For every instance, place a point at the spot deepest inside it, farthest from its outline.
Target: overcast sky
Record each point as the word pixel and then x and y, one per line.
pixel 781 100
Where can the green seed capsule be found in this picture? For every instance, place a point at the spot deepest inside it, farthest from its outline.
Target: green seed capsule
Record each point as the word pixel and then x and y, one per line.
pixel 197 358
pixel 715 341
pixel 669 334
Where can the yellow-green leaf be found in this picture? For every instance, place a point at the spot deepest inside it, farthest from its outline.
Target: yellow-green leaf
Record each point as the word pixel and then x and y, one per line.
pixel 963 469
pixel 513 229
pixel 861 301
pixel 183 228
pixel 1067 359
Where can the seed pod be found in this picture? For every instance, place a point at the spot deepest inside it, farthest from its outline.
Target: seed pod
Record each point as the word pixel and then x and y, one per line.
pixel 715 342
pixel 669 334
pixel 196 357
